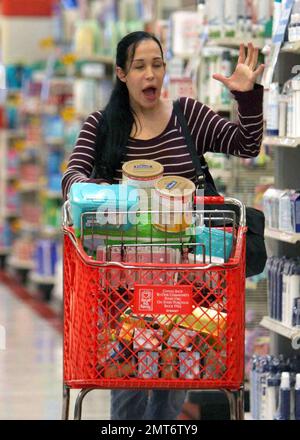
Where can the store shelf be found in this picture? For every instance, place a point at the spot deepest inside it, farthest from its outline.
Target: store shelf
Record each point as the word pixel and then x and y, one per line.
pixel 42 279
pixel 11 176
pixel 20 264
pixel 234 42
pixel 280 328
pixel 105 59
pixel 28 227
pixel 14 133
pixel 281 141
pixel 28 186
pixel 54 140
pixel 52 194
pixel 221 108
pixel 4 250
pixel 220 173
pixel 10 214
pixel 291 47
pixel 49 232
pixel 288 237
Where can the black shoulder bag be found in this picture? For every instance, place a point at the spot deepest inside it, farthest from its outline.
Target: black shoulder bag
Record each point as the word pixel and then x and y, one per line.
pixel 256 255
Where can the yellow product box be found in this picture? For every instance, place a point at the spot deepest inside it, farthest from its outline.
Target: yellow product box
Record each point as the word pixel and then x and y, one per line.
pixel 126 332
pixel 205 321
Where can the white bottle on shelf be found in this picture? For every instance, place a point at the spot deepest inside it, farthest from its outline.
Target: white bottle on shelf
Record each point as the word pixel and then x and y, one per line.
pixel 284 407
pixel 273 110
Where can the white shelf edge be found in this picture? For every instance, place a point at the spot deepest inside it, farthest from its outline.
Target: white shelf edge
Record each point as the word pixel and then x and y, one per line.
pixel 235 42
pixel 49 231
pixel 277 141
pixel 280 328
pixel 20 264
pixel 292 47
pixel 28 227
pixel 220 173
pixel 42 279
pixel 221 108
pixel 288 237
pixel 28 187
pixel 52 194
pixel 54 141
pixel 105 59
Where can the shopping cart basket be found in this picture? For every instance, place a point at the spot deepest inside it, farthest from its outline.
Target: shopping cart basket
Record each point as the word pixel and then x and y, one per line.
pixel 156 312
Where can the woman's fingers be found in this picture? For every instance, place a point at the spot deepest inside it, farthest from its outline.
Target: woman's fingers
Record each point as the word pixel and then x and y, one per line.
pixel 249 54
pixel 241 58
pixel 259 70
pixel 253 62
pixel 220 78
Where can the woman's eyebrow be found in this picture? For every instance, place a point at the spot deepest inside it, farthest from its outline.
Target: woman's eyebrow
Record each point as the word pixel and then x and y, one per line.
pixel 143 59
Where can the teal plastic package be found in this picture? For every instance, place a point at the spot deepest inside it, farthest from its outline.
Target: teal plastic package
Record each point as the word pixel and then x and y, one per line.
pixel 105 201
pixel 218 244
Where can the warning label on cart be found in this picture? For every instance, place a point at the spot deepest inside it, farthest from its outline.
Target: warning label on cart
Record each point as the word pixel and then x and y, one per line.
pixel 162 299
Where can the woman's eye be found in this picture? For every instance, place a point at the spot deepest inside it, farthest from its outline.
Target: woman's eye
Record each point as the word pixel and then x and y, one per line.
pixel 139 67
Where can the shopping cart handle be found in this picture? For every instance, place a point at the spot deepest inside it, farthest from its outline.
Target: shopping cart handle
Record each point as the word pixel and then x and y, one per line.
pixel 209 200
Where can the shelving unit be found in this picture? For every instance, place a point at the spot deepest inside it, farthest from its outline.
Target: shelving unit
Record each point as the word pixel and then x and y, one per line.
pixel 286 153
pixel 292 333
pixel 235 42
pixel 281 141
pixel 287 237
pixel 20 264
pixel 291 47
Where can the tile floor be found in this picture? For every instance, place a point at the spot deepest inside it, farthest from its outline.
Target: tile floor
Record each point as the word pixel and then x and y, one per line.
pixel 31 367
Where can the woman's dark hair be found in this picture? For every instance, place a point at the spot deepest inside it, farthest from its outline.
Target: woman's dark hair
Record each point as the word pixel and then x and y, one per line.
pixel 118 119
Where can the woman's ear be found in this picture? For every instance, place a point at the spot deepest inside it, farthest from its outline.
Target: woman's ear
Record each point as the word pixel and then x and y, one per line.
pixel 120 74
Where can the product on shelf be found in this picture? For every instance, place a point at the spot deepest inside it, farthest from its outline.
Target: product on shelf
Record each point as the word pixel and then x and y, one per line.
pixel 46 257
pixel 271 378
pixel 282 208
pixel 283 286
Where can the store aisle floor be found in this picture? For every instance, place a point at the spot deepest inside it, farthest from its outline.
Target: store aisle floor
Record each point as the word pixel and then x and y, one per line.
pixel 31 367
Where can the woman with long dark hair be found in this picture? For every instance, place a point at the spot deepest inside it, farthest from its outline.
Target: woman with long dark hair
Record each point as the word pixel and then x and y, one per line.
pixel 138 123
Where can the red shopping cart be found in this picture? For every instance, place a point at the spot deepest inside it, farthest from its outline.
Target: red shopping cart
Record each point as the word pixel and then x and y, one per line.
pixel 153 311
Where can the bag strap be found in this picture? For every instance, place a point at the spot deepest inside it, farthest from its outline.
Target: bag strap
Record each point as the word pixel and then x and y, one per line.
pixel 200 176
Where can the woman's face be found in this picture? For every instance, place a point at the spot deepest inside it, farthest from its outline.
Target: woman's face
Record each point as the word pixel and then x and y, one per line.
pixel 144 75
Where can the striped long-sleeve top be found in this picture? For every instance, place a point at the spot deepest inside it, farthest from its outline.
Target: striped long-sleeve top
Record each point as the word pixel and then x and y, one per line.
pixel 210 133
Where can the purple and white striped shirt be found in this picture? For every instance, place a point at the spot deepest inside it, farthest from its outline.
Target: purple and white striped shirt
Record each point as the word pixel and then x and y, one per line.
pixel 210 132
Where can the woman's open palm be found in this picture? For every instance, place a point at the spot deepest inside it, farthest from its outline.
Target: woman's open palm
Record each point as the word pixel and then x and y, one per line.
pixel 246 73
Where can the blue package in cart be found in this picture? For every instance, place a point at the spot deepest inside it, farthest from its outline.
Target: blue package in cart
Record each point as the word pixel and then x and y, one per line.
pixel 216 243
pixel 100 206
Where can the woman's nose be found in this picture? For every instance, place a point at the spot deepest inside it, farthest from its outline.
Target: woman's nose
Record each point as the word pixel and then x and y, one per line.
pixel 149 72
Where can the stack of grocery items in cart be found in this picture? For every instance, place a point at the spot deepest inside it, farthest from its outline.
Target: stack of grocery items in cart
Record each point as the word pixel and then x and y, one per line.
pixel 162 334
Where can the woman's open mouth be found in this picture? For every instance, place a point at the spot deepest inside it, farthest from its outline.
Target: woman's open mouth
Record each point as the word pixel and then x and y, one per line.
pixel 150 93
